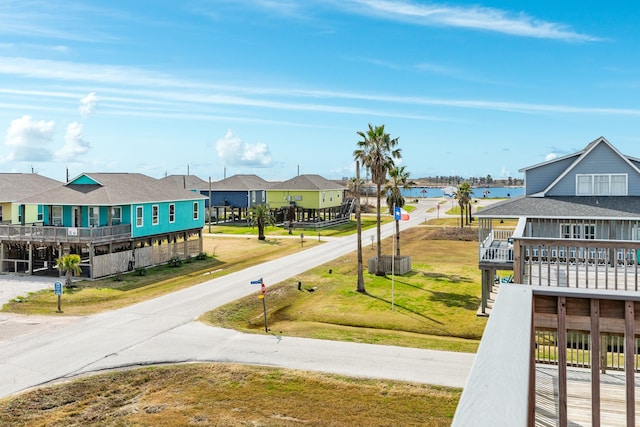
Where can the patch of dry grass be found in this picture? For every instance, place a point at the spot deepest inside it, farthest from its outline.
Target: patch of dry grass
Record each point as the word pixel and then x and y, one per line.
pixel 229 395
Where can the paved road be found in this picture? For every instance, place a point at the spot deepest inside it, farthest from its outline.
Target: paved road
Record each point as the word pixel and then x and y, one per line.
pixel 163 330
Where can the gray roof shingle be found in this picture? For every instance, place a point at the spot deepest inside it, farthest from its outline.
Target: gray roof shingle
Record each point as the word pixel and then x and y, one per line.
pixel 189 182
pixel 17 186
pixel 241 183
pixel 607 207
pixel 308 182
pixel 114 189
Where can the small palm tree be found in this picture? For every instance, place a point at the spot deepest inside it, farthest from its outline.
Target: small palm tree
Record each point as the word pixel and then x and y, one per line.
pixel 261 216
pixel 398 179
pixel 70 264
pixel 377 152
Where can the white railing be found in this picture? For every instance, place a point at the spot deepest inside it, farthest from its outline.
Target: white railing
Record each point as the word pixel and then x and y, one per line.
pixel 503 235
pixel 497 253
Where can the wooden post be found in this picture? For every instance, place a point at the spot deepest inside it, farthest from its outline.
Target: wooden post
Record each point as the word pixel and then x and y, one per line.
pixel 562 361
pixel 595 362
pixel 517 262
pixel 30 265
pixel 629 350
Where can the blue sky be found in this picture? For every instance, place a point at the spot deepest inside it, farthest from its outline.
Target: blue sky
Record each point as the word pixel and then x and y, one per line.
pixel 274 87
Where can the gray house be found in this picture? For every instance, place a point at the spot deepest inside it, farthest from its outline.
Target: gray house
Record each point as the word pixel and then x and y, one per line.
pixel 576 226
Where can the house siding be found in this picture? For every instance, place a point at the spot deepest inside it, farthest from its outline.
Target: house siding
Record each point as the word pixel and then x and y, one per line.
pixel 538 179
pixel 303 199
pixel 183 218
pixel 603 229
pixel 234 199
pixel 601 160
pixel 84 179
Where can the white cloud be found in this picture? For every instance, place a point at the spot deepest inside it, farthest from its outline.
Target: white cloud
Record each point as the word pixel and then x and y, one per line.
pixel 474 17
pixel 27 140
pixel 75 145
pixel 88 104
pixel 234 152
pixel 551 156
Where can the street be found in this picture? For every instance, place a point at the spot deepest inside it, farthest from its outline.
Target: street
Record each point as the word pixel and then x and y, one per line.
pixel 163 330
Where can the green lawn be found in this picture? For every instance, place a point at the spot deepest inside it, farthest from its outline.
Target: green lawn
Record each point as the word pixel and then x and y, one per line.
pixel 434 306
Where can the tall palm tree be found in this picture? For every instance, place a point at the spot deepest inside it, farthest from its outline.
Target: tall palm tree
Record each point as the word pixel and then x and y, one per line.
pixel 398 180
pixel 358 182
pixel 463 196
pixel 70 265
pixel 261 216
pixel 377 152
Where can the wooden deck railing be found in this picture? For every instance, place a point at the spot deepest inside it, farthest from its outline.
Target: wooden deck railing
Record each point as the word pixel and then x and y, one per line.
pixel 49 234
pixel 501 389
pixel 597 264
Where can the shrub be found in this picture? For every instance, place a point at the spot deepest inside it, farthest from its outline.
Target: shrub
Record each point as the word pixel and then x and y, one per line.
pixel 175 262
pixel 141 271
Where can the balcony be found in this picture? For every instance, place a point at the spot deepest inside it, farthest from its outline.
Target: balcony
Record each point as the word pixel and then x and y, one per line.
pixel 511 385
pixel 49 234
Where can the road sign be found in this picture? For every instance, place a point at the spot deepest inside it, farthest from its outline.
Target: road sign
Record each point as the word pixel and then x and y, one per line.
pixel 264 289
pixel 57 288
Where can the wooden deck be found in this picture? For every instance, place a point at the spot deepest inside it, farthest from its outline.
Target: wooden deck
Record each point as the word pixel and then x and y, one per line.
pixel 612 397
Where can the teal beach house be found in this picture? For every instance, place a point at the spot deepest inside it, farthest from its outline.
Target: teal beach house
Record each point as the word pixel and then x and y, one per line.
pixel 114 221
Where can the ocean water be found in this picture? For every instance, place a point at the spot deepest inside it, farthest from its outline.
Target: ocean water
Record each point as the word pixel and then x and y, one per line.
pixel 478 192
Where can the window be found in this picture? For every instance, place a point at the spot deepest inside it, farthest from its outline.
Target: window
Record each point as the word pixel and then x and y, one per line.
pixel 154 215
pixel 40 213
pixel 94 216
pixel 323 196
pixel 172 212
pixel 578 231
pixel 601 185
pixel 619 185
pixel 196 214
pixel 583 186
pixel 264 194
pixel 20 214
pixel 116 215
pixel 253 197
pixel 139 216
pixel 56 215
pixel 0 213
pixel 589 231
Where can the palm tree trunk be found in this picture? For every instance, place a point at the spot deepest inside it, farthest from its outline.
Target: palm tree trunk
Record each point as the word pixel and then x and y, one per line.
pixel 379 269
pixel 461 216
pixel 360 284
